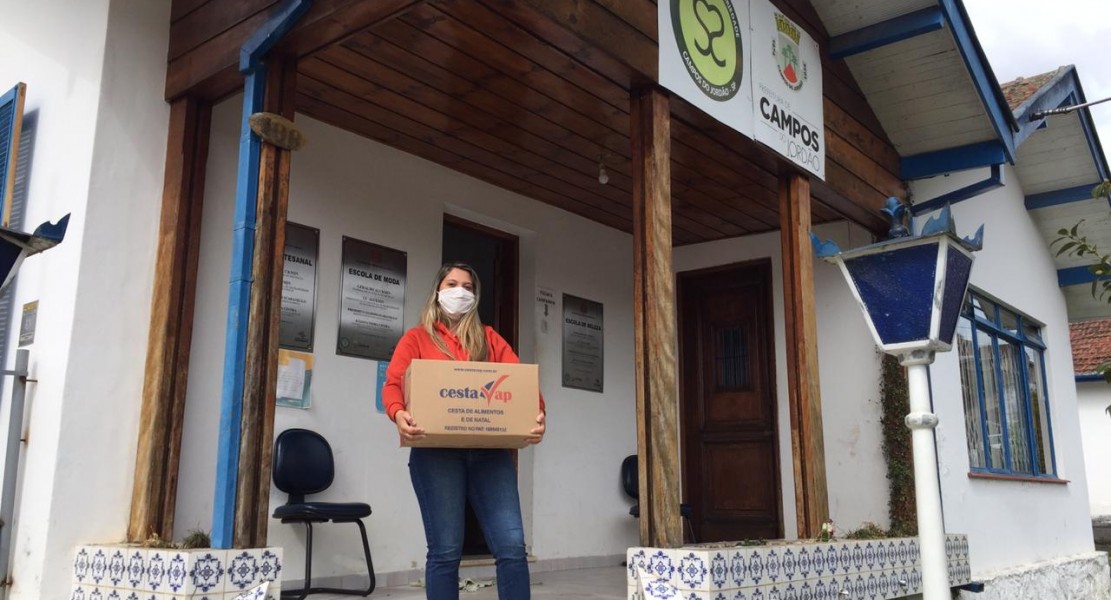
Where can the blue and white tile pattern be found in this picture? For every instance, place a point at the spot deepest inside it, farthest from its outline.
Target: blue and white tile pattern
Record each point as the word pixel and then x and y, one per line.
pixel 839 570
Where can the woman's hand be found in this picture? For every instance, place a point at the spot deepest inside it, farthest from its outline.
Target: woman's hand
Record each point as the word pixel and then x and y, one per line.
pixel 407 427
pixel 537 434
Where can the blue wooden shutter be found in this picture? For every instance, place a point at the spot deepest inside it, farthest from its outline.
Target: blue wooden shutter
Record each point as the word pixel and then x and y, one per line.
pixel 11 121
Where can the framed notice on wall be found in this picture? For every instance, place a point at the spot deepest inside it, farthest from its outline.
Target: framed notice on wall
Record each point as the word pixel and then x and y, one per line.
pixel 295 331
pixel 372 300
pixel 582 344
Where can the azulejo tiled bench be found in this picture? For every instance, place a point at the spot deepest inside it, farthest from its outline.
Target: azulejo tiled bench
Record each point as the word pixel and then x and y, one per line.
pixel 128 572
pixel 805 570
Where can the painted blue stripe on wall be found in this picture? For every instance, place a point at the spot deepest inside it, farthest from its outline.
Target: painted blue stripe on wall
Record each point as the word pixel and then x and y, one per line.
pixel 1076 276
pixel 986 85
pixel 1083 377
pixel 1058 197
pixel 888 32
pixel 928 164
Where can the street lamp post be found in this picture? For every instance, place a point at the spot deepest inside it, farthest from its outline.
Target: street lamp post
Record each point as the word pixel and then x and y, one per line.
pixel 910 289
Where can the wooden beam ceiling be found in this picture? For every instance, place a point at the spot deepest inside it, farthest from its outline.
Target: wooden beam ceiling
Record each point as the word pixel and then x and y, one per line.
pixel 531 95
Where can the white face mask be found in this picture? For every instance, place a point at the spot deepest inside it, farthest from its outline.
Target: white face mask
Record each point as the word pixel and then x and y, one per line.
pixel 456 301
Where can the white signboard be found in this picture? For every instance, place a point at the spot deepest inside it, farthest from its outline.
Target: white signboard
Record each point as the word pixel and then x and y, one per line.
pixel 704 48
pixel 787 88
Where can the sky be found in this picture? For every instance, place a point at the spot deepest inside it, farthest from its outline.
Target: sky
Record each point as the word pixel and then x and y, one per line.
pixel 1028 37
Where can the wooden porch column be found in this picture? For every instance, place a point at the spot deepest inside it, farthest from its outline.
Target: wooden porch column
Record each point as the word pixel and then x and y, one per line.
pixel 252 499
pixel 654 321
pixel 808 449
pixel 154 492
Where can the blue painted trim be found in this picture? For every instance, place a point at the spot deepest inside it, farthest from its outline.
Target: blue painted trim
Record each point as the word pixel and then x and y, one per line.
pixel 1050 95
pixel 994 180
pixel 239 298
pixel 1090 134
pixel 962 158
pixel 1048 416
pixel 1076 276
pixel 980 392
pixel 280 23
pixel 979 69
pixel 1031 443
pixel 239 294
pixel 890 31
pixel 1084 377
pixel 1059 197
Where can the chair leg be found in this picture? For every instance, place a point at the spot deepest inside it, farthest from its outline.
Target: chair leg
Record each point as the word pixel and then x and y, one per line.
pixel 369 563
pixel 302 593
pixel 690 526
pixel 308 589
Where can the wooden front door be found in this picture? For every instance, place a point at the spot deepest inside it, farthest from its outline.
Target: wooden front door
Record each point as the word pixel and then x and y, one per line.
pixel 730 448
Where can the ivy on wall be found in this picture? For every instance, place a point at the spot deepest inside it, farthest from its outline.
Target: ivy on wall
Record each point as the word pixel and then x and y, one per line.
pixel 895 400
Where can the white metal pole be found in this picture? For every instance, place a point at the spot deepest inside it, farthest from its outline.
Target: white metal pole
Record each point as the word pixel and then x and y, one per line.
pixel 931 528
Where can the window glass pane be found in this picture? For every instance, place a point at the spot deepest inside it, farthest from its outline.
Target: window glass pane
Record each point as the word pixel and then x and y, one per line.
pixel 1040 404
pixel 985 309
pixel 1032 332
pixel 731 360
pixel 969 389
pixel 1015 406
pixel 1008 320
pixel 991 400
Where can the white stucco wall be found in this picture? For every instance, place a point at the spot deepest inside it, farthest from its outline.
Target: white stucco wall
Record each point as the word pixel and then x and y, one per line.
pixel 94 72
pixel 1010 523
pixel 848 370
pixel 346 185
pixel 1093 398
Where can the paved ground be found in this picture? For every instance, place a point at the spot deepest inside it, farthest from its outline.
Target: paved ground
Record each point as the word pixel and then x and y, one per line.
pixel 582 584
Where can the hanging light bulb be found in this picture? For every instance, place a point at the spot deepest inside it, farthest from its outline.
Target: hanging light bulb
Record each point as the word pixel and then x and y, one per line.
pixel 603 177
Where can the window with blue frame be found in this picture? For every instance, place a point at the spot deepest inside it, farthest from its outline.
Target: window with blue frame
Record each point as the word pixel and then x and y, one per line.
pixel 1006 404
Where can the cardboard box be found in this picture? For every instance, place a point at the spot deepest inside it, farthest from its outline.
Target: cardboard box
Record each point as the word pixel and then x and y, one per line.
pixel 472 404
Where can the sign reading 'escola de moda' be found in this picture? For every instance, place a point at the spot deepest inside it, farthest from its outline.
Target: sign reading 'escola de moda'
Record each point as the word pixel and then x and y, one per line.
pixel 749 66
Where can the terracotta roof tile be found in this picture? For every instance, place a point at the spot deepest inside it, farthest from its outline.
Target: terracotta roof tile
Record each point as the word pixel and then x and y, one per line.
pixel 1091 344
pixel 1020 90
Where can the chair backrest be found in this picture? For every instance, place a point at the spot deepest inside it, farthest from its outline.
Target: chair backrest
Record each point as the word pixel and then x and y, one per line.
pixel 629 476
pixel 303 463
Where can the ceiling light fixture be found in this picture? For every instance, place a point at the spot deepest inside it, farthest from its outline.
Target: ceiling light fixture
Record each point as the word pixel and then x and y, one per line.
pixel 603 176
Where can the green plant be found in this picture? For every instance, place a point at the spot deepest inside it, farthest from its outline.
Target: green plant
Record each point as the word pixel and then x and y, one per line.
pixel 868 531
pixel 196 538
pixel 895 401
pixel 1074 243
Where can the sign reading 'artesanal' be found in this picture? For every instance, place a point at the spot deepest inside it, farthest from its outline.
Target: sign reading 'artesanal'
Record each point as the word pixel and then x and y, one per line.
pixel 704 58
pixel 749 66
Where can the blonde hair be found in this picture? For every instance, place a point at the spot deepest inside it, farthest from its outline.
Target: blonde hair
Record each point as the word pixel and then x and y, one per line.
pixel 469 329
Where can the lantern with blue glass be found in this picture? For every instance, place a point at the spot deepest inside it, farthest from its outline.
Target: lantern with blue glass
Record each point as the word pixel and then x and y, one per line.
pixel 910 289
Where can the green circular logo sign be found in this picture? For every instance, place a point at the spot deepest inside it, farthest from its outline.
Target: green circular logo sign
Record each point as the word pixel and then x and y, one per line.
pixel 709 38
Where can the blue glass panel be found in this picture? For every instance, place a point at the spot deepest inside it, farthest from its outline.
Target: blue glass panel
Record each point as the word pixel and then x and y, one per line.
pixel 957 269
pixel 897 289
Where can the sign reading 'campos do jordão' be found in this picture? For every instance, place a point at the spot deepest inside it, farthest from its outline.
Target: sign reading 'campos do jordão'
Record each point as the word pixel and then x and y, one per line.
pixel 749 66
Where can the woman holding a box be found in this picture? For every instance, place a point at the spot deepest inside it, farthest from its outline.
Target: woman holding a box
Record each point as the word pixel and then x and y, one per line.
pixel 445 478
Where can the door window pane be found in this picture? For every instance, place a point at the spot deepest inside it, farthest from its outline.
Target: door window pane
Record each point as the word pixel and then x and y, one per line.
pixel 731 358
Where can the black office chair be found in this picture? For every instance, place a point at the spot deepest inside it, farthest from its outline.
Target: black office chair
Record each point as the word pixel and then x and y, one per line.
pixel 303 465
pixel 630 480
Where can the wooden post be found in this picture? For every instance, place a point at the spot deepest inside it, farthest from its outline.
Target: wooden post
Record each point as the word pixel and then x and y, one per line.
pixel 154 492
pixel 252 505
pixel 808 448
pixel 654 321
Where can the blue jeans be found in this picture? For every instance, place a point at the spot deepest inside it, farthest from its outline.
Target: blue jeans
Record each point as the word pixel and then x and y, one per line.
pixel 444 479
